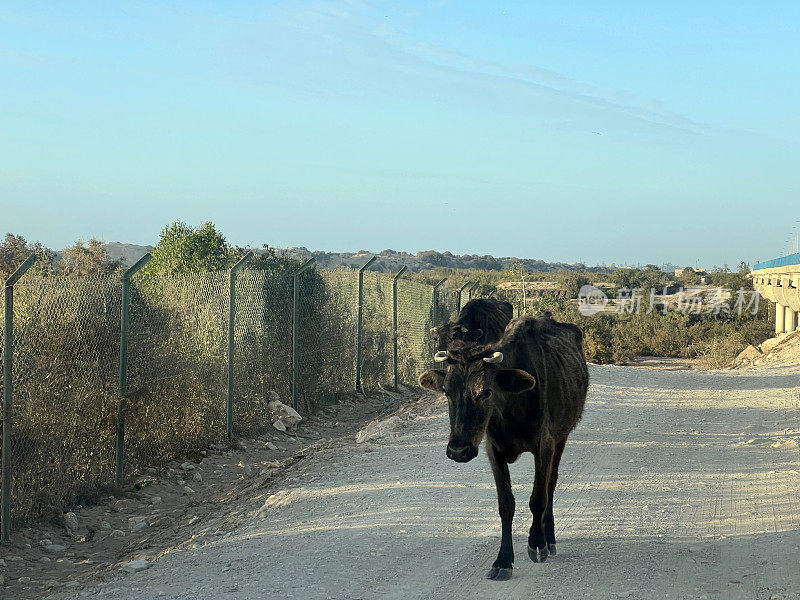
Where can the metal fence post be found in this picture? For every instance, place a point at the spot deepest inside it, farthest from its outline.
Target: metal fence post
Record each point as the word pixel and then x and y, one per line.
pixel 296 326
pixel 436 301
pixel 231 322
pixel 359 321
pixel 8 388
pixel 123 364
pixel 394 320
pixel 460 291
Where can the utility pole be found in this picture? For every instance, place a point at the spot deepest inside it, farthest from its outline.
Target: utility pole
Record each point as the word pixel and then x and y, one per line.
pixel 524 291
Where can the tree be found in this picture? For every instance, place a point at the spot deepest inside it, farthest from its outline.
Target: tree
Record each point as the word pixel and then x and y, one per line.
pixel 623 278
pixel 269 260
pixel 651 277
pixel 732 281
pixel 14 249
pixel 572 282
pixel 186 249
pixel 80 260
pixel 689 276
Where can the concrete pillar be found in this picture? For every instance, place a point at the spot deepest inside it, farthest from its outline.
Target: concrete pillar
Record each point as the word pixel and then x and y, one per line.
pixel 790 316
pixel 779 319
pixel 788 320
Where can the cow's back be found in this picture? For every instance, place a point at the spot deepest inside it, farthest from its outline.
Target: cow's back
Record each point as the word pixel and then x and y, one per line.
pixel 553 353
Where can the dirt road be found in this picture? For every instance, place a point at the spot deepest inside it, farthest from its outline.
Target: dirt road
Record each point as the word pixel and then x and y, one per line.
pixel 677 484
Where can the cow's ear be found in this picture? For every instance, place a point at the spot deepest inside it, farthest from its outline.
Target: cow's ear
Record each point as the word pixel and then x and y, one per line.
pixel 514 381
pixel 432 380
pixel 471 336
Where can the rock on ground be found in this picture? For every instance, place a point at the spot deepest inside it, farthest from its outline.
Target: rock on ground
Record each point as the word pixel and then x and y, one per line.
pixel 135 566
pixel 379 429
pixel 283 413
pixel 276 500
pixel 749 353
pixel 71 522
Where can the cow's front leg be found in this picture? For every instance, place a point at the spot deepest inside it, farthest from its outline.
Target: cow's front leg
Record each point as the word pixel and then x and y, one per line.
pixel 540 498
pixel 503 565
pixel 549 520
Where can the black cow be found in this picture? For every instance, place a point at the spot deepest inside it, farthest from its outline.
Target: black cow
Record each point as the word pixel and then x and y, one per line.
pixel 525 394
pixel 482 320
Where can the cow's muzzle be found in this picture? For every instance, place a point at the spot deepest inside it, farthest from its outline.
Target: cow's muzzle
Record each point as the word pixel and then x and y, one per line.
pixel 461 453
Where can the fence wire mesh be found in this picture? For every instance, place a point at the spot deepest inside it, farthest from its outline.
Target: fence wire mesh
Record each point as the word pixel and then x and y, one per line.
pixel 177 367
pixel 326 336
pixel 447 305
pixel 414 321
pixel 66 364
pixel 66 348
pixel 376 344
pixel 263 347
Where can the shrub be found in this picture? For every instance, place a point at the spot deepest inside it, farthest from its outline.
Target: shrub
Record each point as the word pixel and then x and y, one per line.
pixel 718 353
pixel 610 337
pixel 186 249
pixel 572 283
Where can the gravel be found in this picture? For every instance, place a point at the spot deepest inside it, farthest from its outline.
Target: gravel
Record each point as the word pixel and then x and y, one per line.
pixel 660 496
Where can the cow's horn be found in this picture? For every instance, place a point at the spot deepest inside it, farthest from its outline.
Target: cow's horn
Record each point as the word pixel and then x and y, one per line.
pixel 496 357
pixel 434 330
pixel 440 356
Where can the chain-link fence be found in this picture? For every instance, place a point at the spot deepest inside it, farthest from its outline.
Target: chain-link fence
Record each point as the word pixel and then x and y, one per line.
pixel 177 369
pixel 414 343
pixel 326 337
pixel 73 433
pixel 66 348
pixel 447 304
pixel 376 344
pixel 263 344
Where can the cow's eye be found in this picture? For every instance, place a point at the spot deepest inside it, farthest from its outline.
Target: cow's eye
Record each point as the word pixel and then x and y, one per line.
pixel 484 395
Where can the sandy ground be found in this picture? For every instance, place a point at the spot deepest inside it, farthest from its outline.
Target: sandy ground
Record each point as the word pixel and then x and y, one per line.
pixel 139 520
pixel 676 484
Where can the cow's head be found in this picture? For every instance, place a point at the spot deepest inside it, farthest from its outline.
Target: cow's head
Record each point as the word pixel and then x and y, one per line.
pixel 473 382
pixel 447 333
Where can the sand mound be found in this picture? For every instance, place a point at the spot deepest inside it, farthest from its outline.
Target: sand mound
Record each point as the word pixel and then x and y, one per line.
pixel 782 350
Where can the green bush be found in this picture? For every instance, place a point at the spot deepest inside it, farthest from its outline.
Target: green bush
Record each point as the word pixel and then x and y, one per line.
pixel 572 283
pixel 612 337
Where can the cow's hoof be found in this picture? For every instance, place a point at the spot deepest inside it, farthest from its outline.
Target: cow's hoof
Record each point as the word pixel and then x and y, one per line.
pixel 537 555
pixel 500 573
pixel 551 548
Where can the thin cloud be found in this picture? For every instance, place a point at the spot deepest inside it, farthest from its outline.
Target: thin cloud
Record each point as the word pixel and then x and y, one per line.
pixel 348 50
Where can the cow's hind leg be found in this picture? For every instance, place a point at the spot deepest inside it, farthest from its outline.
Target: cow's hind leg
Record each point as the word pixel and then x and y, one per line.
pixel 537 542
pixel 503 565
pixel 549 519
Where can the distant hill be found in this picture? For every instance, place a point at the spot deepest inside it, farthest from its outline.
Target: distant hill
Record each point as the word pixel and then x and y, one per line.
pixel 391 260
pixel 127 253
pixel 388 260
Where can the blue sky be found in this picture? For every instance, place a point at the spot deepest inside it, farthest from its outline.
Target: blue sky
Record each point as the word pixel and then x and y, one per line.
pixel 597 131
